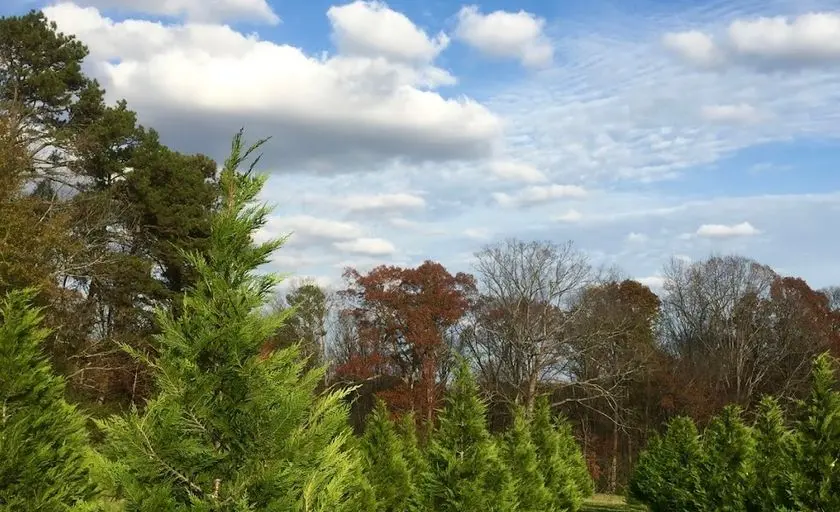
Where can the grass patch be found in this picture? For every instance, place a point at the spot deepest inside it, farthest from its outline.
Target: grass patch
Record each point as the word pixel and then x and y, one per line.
pixel 610 503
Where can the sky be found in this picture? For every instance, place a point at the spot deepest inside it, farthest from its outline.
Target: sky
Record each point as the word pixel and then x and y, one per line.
pixel 640 130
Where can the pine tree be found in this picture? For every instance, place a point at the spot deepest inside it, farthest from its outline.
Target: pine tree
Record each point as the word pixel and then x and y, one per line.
pixel 389 472
pixel 520 454
pixel 414 456
pixel 553 457
pixel 728 470
pixel 573 455
pixel 771 490
pixel 816 484
pixel 230 429
pixel 465 469
pixel 667 476
pixel 44 451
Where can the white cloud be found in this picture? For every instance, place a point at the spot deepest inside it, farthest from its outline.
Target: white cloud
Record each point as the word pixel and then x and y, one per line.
pixel 570 216
pixel 764 42
pixel 477 233
pixel 367 246
pixel 694 46
pixel 371 29
pixel 198 83
pixel 308 229
pixel 194 10
pixel 369 202
pixel 809 38
pixel 517 171
pixel 655 283
pixel 727 231
pixel 740 113
pixel 539 194
pixel 637 237
pixel 517 35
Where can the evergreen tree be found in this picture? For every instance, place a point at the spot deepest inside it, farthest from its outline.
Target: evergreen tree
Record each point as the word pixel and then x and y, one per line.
pixel 771 490
pixel 414 456
pixel 728 471
pixel 667 476
pixel 553 457
pixel 816 484
pixel 520 454
pixel 573 455
pixel 229 429
pixel 388 470
pixel 466 471
pixel 44 451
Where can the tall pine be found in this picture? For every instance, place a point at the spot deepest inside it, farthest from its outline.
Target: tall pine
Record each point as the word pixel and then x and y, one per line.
pixel 553 456
pixel 44 451
pixel 230 429
pixel 771 490
pixel 392 476
pixel 728 469
pixel 816 485
pixel 466 471
pixel 520 454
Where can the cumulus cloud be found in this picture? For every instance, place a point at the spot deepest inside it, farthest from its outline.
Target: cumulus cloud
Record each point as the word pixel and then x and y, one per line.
pixel 694 46
pixel 764 42
pixel 367 246
pixel 371 29
pixel 571 215
pixel 371 202
pixel 516 35
pixel 198 83
pixel 636 237
pixel 740 113
pixel 517 171
pixel 539 194
pixel 308 229
pixel 655 283
pixel 726 231
pixel 194 10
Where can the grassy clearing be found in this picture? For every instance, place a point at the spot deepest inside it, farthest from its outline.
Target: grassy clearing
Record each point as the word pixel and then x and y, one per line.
pixel 609 503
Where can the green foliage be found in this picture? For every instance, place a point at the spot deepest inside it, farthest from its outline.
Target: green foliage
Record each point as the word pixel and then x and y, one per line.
pixel 393 478
pixel 728 473
pixel 553 454
pixel 816 483
pixel 230 430
pixel 520 454
pixel 44 452
pixel 668 474
pixel 570 452
pixel 773 462
pixel 466 471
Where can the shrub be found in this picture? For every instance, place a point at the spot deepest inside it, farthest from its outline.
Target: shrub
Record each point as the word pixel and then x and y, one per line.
pixel 465 469
pixel 667 476
pixel 728 473
pixel 44 451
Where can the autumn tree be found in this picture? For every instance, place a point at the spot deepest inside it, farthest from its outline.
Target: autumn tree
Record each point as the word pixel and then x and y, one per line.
pixel 615 350
pixel 307 322
pixel 401 318
pixel 520 332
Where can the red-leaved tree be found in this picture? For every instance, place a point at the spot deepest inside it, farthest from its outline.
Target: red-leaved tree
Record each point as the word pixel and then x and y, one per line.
pixel 403 318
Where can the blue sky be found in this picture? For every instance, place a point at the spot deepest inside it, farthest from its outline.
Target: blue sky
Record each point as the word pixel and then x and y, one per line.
pixel 406 131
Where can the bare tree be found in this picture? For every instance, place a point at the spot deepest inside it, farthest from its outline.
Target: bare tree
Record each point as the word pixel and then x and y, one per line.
pixel 521 330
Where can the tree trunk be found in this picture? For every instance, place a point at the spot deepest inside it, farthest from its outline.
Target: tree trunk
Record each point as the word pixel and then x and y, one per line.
pixel 613 479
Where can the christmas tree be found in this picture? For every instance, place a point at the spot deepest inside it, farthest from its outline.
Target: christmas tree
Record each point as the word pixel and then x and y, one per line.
pixel 465 469
pixel 231 429
pixel 520 454
pixel 44 451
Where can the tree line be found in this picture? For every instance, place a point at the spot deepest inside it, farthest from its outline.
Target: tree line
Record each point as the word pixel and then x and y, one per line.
pixel 104 220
